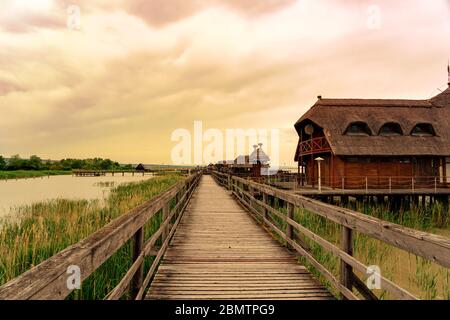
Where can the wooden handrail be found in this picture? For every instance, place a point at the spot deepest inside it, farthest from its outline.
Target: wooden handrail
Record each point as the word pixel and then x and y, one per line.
pixel 429 246
pixel 48 280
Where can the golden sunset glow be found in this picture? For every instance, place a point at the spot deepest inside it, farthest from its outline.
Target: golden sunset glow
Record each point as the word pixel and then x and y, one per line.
pixel 133 71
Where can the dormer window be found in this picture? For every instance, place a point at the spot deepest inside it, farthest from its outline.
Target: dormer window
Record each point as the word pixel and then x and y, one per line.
pixel 358 129
pixel 423 130
pixel 391 129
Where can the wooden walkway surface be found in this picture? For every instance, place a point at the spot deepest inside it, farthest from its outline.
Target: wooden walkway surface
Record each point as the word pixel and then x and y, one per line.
pixel 220 252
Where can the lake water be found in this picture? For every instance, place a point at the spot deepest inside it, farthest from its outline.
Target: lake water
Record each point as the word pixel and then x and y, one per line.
pixel 16 193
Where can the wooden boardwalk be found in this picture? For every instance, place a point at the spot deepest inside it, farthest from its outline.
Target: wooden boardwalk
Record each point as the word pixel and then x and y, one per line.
pixel 220 252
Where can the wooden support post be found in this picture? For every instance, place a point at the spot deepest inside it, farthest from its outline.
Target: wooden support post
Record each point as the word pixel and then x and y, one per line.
pixel 346 269
pixel 177 200
pixel 138 245
pixel 443 200
pixel 164 217
pixel 359 199
pixel 415 201
pixel 290 215
pixel 266 201
pixel 344 200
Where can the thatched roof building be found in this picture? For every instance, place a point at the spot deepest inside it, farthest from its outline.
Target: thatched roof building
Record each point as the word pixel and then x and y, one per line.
pixel 381 138
pixel 336 116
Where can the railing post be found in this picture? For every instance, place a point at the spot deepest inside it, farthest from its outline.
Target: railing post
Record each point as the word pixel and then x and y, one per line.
pixel 367 185
pixel 435 184
pixel 347 247
pixel 390 184
pixel 251 193
pixel 266 201
pixel 138 245
pixel 177 200
pixel 165 214
pixel 412 184
pixel 289 229
pixel 343 183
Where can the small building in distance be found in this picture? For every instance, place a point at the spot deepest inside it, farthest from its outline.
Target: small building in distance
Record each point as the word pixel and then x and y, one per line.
pixel 143 167
pixel 254 165
pixel 376 143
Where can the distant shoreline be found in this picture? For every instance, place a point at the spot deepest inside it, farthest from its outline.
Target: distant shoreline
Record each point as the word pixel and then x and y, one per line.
pixel 24 174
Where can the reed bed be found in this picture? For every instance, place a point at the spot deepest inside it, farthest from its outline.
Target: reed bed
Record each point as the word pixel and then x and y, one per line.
pixel 24 174
pixel 423 278
pixel 41 230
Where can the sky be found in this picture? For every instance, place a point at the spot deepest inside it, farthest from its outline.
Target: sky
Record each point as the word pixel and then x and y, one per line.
pixel 115 78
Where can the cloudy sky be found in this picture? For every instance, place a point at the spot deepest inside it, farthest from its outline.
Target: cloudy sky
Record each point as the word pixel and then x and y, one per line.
pixel 120 79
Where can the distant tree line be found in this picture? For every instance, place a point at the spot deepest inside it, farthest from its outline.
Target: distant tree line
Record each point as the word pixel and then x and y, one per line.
pixel 36 163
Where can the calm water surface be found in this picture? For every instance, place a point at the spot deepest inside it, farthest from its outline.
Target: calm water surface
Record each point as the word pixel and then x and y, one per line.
pixel 16 193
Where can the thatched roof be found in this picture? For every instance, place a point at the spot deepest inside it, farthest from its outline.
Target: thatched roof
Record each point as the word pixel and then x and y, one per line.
pixel 335 115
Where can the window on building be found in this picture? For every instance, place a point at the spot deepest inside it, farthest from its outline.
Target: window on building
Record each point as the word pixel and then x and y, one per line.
pixel 391 129
pixel 358 129
pixel 359 159
pixel 404 160
pixel 423 130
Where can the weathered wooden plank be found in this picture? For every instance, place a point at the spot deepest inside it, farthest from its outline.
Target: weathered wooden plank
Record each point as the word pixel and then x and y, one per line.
pixel 244 296
pixel 165 245
pixel 325 273
pixel 220 252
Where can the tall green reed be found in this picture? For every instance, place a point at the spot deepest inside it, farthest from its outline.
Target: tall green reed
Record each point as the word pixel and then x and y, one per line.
pixel 41 230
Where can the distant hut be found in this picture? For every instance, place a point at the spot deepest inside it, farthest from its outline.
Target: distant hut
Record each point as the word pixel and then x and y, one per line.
pixel 242 166
pixel 143 167
pixel 260 161
pixel 379 143
pixel 251 165
pixel 259 156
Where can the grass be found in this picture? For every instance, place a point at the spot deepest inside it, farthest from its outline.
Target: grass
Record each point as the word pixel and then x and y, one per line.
pixel 44 229
pixel 423 278
pixel 23 174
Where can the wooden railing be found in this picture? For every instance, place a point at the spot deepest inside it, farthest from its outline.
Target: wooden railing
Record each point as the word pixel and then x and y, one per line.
pixel 367 183
pixel 48 280
pixel 254 197
pixel 314 145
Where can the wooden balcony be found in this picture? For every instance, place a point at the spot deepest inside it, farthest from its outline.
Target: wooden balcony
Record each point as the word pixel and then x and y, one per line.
pixel 315 145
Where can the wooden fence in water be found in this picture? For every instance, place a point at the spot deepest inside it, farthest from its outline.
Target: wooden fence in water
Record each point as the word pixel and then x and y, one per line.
pixel 255 197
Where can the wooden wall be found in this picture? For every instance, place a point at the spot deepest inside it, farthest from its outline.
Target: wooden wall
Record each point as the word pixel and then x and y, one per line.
pixel 377 170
